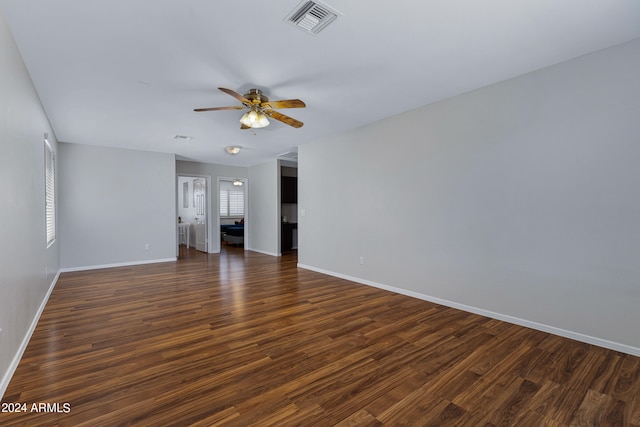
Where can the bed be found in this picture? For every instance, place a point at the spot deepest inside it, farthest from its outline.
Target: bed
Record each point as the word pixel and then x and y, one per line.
pixel 232 233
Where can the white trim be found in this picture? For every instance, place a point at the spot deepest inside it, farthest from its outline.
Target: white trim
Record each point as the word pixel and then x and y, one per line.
pixel 25 341
pixel 623 348
pixel 264 252
pixel 120 264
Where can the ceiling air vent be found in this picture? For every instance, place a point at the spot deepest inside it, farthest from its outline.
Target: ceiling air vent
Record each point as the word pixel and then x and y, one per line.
pixel 312 17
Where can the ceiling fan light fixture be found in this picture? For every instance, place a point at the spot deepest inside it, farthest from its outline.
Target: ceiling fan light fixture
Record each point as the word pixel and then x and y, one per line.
pixel 262 121
pixel 258 107
pixel 232 149
pixel 254 119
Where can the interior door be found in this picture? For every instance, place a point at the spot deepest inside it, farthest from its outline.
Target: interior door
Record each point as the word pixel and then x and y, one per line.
pixel 200 201
pixel 201 236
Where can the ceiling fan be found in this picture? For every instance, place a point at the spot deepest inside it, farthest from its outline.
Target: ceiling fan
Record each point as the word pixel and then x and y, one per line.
pixel 259 107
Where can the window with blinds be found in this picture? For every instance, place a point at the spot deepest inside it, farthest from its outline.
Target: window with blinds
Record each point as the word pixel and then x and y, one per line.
pixel 50 192
pixel 236 203
pixel 231 201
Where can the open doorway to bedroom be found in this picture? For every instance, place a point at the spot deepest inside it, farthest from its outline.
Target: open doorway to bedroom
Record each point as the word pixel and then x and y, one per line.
pixel 232 211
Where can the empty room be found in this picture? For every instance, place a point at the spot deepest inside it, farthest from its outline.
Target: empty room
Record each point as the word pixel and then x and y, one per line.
pixel 320 213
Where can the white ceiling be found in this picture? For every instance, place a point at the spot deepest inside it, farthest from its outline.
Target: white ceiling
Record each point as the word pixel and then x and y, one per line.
pixel 128 73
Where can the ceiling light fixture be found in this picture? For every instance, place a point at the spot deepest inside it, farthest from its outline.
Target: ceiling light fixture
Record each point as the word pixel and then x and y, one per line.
pixel 232 149
pixel 237 183
pixel 254 119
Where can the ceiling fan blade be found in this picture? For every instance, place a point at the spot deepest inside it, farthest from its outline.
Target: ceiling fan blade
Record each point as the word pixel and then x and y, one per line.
pixel 237 107
pixel 285 103
pixel 284 119
pixel 236 95
pixel 243 126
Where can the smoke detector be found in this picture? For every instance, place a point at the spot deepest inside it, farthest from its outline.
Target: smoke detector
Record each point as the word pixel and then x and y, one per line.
pixel 312 16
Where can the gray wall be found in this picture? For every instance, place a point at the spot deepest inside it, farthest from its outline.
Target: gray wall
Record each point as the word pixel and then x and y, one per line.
pixel 200 169
pixel 518 200
pixel 264 208
pixel 28 267
pixel 112 202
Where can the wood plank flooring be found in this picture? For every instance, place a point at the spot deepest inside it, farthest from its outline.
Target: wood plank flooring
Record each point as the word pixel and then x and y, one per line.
pixel 245 339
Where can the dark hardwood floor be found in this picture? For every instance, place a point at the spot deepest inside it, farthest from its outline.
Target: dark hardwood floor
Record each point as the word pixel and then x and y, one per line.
pixel 242 339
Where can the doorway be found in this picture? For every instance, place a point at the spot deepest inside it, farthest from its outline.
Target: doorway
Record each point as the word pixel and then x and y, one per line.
pixel 232 218
pixel 192 212
pixel 288 207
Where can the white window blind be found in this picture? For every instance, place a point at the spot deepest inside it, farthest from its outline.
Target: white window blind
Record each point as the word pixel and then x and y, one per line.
pixel 231 200
pixel 236 203
pixel 50 192
pixel 224 203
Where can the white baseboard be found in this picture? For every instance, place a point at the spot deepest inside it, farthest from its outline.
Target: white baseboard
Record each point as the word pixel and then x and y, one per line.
pixel 623 348
pixel 25 341
pixel 263 252
pixel 121 264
